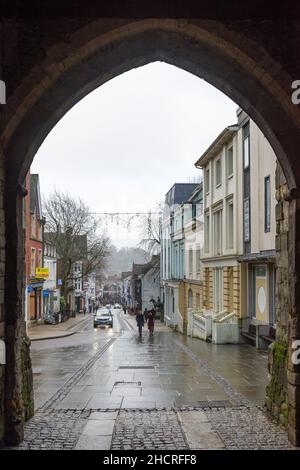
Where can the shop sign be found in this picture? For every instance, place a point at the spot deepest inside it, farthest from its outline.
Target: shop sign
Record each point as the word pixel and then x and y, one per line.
pixel 42 273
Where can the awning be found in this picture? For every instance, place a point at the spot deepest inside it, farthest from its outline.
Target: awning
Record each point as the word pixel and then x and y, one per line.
pixel 267 256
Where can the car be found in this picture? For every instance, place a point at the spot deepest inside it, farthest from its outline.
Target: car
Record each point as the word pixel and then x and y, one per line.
pixel 107 306
pixel 117 306
pixel 103 317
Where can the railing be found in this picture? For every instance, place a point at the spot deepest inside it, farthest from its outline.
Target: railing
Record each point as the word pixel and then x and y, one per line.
pixel 199 324
pixel 224 317
pixel 225 328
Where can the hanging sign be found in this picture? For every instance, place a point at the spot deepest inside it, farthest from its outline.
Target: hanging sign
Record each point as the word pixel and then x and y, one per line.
pixel 42 273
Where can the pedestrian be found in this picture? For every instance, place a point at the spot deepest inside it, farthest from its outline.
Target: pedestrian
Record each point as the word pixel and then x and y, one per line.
pixel 150 322
pixel 140 322
pixel 146 314
pixel 124 309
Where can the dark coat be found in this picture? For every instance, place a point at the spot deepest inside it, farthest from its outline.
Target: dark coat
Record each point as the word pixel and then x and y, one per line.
pixel 150 319
pixel 140 319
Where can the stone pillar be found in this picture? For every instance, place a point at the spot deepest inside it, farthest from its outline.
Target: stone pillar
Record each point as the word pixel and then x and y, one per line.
pixel 283 391
pixel 18 384
pixel 236 288
pixel 276 393
pixel 226 288
pixel 2 274
pixel 293 367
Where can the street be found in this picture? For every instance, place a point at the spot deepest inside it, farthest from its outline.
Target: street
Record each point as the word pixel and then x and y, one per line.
pixel 107 388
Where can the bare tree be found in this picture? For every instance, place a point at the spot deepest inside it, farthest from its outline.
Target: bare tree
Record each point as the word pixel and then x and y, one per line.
pixel 73 231
pixel 150 228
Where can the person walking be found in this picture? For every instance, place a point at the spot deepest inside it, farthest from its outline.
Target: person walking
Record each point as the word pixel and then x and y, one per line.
pixel 146 314
pixel 151 322
pixel 140 322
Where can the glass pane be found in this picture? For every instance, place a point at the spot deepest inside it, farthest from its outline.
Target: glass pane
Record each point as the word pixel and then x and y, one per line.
pixel 246 152
pixel 229 161
pixel 260 271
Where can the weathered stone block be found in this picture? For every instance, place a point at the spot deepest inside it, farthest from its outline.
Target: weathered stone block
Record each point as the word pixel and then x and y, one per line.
pixel 279 211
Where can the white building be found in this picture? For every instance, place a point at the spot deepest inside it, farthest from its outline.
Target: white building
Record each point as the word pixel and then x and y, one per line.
pixel 172 253
pixel 151 283
pixel 51 294
pixel 238 259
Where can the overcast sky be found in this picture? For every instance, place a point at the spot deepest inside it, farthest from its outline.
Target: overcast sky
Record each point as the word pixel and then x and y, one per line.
pixel 124 145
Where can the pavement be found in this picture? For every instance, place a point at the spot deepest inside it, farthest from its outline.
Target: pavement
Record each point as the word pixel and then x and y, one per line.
pixel 61 330
pixel 108 389
pixel 158 325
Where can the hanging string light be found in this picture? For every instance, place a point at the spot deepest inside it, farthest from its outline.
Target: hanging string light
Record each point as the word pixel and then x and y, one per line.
pixel 127 218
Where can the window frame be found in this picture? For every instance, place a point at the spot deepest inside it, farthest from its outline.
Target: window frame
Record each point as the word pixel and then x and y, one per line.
pixel 229 175
pixel 267 204
pixel 33 261
pixel 207 180
pixel 207 232
pixel 218 218
pixel 230 226
pixel 217 163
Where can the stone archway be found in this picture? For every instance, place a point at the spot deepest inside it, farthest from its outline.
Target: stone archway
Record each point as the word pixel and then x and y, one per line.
pixel 234 61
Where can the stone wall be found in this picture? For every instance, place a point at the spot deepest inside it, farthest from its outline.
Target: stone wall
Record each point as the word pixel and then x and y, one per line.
pixel 49 64
pixel 276 393
pixel 2 272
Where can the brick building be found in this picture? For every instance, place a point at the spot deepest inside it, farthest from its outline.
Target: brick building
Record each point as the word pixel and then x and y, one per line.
pixel 34 247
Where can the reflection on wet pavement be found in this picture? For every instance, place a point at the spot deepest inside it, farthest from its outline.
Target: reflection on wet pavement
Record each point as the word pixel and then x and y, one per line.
pixel 152 372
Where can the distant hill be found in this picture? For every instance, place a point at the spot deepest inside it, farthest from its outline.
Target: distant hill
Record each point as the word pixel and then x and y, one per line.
pixel 121 259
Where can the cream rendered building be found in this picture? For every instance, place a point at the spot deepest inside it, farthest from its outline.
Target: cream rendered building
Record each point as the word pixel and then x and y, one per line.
pixel 259 230
pixel 238 260
pixel 221 271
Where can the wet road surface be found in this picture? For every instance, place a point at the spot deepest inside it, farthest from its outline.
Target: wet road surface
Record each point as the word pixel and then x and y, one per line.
pixel 110 389
pixel 152 372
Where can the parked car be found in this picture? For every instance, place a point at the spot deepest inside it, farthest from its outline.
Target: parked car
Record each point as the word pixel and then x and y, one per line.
pixel 117 306
pixel 103 317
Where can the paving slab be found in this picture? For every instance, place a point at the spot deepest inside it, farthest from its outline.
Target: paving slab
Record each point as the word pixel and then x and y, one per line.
pixel 87 442
pixel 99 427
pixel 198 431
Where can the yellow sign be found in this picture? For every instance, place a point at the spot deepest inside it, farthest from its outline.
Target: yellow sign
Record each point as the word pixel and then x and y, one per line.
pixel 42 273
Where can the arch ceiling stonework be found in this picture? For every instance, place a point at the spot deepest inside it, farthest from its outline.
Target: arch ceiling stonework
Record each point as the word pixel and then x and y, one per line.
pixel 50 64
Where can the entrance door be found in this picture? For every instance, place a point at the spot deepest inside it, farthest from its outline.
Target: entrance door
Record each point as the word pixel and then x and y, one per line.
pixel 261 293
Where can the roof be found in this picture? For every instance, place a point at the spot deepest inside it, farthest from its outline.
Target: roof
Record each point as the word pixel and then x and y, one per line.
pixel 180 192
pixel 196 193
pixel 126 274
pixel 139 269
pixel 214 149
pixel 35 196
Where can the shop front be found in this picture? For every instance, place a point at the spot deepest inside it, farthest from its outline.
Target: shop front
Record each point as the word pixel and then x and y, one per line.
pixel 35 301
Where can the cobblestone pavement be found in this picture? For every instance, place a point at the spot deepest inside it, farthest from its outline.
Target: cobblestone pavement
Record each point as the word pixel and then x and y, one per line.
pixel 235 428
pixel 54 429
pixel 148 430
pixel 166 392
pixel 247 428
